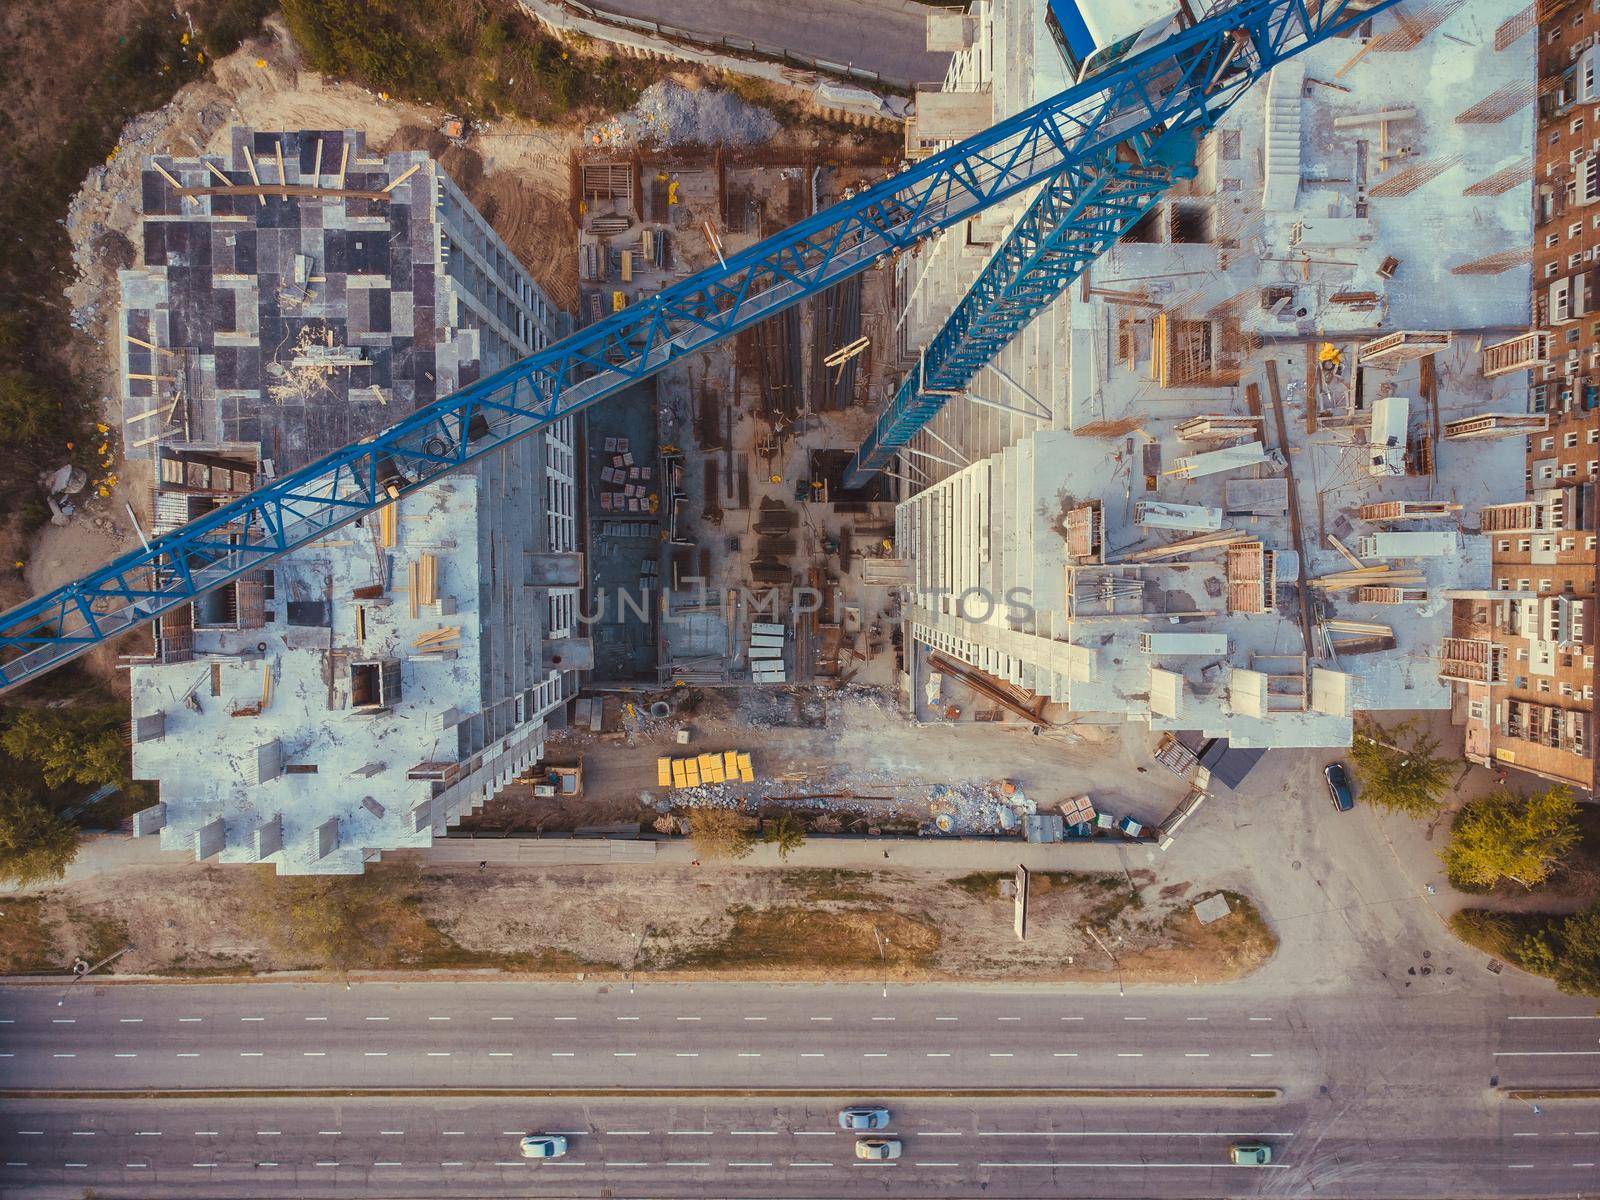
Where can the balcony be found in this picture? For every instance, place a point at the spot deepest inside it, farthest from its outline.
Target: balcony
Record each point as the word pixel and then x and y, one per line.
pixel 1472 660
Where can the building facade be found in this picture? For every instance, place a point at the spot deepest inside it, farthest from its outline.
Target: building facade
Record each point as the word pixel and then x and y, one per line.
pixel 1523 658
pixel 360 694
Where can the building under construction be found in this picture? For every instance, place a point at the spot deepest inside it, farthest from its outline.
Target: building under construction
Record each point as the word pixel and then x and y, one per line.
pixel 1232 479
pixel 296 293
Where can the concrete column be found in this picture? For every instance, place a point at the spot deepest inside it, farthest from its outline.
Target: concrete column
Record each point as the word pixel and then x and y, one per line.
pixel 209 839
pixel 269 838
pixel 150 820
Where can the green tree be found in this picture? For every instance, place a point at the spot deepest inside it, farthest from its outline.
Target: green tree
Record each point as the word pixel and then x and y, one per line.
pixel 1397 769
pixel 786 833
pixel 1577 963
pixel 1507 836
pixel 35 843
pixel 720 832
pixel 69 745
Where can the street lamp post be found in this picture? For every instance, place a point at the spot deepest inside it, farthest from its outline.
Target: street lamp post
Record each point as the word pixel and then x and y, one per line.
pixel 1109 955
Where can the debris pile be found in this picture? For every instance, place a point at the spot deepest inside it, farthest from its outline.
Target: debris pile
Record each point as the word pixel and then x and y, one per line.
pixel 669 114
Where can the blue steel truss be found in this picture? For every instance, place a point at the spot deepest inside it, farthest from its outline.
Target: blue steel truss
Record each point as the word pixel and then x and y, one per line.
pixel 1171 86
pixel 1085 208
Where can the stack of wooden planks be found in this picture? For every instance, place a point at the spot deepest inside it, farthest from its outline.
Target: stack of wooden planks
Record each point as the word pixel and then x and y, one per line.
pixel 1382 575
pixel 438 641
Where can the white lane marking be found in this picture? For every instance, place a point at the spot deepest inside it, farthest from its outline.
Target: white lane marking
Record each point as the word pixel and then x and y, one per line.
pixel 1546 1053
pixel 251 1054
pixel 188 1054
pixel 1135 1018
pixel 130 1020
pixel 813 1054
pixel 147 1133
pixel 190 1020
pixel 688 1164
pixel 688 1054
pixel 252 1018
pixel 16 1164
pixel 561 1054
pixel 811 1164
pixel 1130 1054
pixel 452 1133
pixel 83 1133
pixel 563 1018
pixel 686 1018
pixel 206 1133
pixel 316 1018
pixel 611 1162
pixel 815 1133
pixel 386 1164
pixel 1073 1018
pixel 1587 1164
pixel 266 1164
pixel 63 1020
pixel 329 1133
pixel 939 1054
pixel 749 1164
pixel 755 1018
pixel 688 1133
pixel 391 1133
pixel 1586 1133
pixel 124 1056
pixel 875 1164
pixel 137 1166
pixel 74 1164
pixel 64 1056
pixel 500 1054
pixel 627 1133
pixel 1526 1135
pixel 1578 1017
pixel 30 1133
pixel 438 1054
pixel 930 1133
pixel 452 1164
pixel 1197 1018
pixel 1261 1018
pixel 1509 1166
pixel 502 1018
pixel 883 1018
pixel 1152 1166
pixel 377 1018
pixel 326 1162
pixel 749 1054
pixel 622 1018
pixel 821 1018
pixel 313 1054
pixel 1000 1054
pixel 935 1164
pixel 876 1054
pixel 376 1054
pixel 511 1164
pixel 214 1164
pixel 438 1018
pixel 1193 1055
pixel 1261 1054
pixel 635 1054
pixel 1008 1018
pixel 753 1132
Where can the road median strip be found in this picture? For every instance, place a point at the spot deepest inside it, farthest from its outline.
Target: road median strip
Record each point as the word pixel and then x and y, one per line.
pixel 632 1093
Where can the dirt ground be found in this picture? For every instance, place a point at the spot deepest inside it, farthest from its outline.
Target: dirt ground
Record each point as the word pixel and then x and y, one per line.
pixel 853 754
pixel 725 922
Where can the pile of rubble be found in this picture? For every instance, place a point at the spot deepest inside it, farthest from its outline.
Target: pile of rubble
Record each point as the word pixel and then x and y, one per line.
pixel 669 114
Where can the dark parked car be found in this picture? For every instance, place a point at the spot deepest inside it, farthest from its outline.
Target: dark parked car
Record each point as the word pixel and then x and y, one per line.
pixel 1339 786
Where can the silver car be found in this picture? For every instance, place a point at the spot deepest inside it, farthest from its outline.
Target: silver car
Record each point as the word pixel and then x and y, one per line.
pixel 864 1117
pixel 877 1149
pixel 543 1145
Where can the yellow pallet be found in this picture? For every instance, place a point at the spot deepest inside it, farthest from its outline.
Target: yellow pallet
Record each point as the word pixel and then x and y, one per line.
pixel 692 769
pixel 746 770
pixel 680 776
pixel 663 772
pixel 730 764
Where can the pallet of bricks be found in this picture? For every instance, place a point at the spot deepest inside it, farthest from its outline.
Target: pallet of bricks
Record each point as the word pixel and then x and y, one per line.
pixel 626 483
pixel 728 766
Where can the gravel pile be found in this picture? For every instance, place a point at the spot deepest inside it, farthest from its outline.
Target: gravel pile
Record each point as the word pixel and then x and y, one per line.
pixel 668 114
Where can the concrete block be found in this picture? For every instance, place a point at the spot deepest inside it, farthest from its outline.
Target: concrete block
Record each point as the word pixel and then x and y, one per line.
pixel 149 820
pixel 269 838
pixel 209 840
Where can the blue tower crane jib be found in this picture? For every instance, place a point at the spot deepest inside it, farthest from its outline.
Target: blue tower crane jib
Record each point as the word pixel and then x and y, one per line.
pixel 1172 85
pixel 1079 214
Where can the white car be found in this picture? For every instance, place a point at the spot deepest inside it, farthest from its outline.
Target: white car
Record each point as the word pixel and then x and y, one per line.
pixel 543 1145
pixel 877 1149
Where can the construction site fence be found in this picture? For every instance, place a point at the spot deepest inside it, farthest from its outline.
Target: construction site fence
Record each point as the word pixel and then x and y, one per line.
pixel 738 45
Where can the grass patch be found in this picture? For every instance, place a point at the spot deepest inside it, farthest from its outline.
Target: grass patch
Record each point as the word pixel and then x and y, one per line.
pixel 834 884
pixel 28 944
pixel 485 58
pixel 795 938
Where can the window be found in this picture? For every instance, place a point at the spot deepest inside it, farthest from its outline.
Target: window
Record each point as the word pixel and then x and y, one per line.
pixel 1594 466
pixel 1544 686
pixel 1524 545
pixel 1588 662
pixel 1544 584
pixel 1550 240
pixel 1589 542
pixel 1550 270
pixel 1593 435
pixel 1547 443
pixel 1569 470
pixel 1569 543
pixel 1575 229
pixel 1522 654
pixel 1505 545
pixel 1522 585
pixel 1566 688
pixel 1570 439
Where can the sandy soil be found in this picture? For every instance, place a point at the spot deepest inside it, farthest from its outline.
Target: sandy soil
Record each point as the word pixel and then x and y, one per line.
pixel 718 921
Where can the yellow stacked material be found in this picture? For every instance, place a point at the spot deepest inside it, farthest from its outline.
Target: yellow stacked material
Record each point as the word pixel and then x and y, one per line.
pixel 388 526
pixel 680 774
pixel 427 579
pixel 746 771
pixel 691 768
pixel 663 771
pixel 730 765
pixel 711 768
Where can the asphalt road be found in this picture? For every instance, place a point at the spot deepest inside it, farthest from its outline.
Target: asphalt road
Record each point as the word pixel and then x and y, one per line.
pixel 1382 1096
pixel 887 36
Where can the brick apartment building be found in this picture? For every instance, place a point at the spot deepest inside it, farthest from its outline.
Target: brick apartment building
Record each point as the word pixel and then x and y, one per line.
pixel 1523 655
